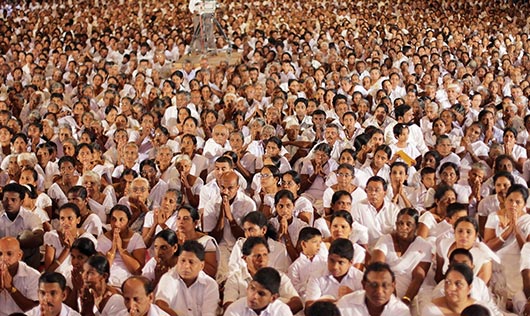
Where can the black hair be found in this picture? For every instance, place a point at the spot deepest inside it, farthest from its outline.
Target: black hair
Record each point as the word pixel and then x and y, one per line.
pixel 148 285
pixel 453 165
pixel 342 247
pixel 435 155
pixel 441 190
pixel 510 129
pixel 193 246
pixel 308 233
pixel 65 159
pixel 16 188
pixel 455 207
pixel 467 219
pixel 100 264
pixel 168 235
pixel 251 242
pixel 258 218
pixel 475 310
pixel 78 190
pixel 519 188
pixel 269 278
pixel 398 129
pixel 283 194
pixel 53 277
pixel 378 179
pixel 192 210
pixel 73 207
pixel 85 246
pixel 342 214
pixel 463 269
pixel 400 164
pixel 324 147
pixel 386 149
pixel 225 159
pixel 31 191
pixel 410 212
pixel 347 166
pixel 378 267
pixel 505 174
pixel 427 170
pixel 122 208
pixel 320 308
pixel 460 251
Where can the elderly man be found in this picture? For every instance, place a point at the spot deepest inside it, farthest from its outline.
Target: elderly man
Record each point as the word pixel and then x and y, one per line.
pixel 138 296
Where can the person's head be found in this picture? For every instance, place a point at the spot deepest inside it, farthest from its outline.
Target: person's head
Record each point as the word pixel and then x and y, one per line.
pixel 149 171
pixel 449 173
pixel 341 201
pixel 475 310
pixel 428 177
pixel 119 217
pixel 381 156
pixel 139 189
pixel 13 195
pixel 229 184
pixel 407 223
pixel 52 293
pixel 379 282
pixel 263 289
pixel 457 283
pixel 81 249
pixel 345 174
pixel 443 196
pixel 340 257
pixel 222 164
pixel 341 224
pixel 461 256
pixel 220 134
pixel 516 198
pixel 138 295
pixel 269 176
pixel 10 252
pixel 398 172
pixel 347 156
pixel 290 180
pixel 466 232
pixel 322 153
pixel 310 239
pixel 69 217
pixel 443 145
pixel 320 308
pixel 79 196
pixel 96 271
pixel 255 251
pixel 165 245
pixel 187 218
pixel 454 211
pixel 284 203
pixel 376 190
pixel 255 224
pixel 190 260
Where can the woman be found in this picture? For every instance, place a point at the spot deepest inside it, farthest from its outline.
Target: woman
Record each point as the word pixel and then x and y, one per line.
pixel 502 182
pixel 65 182
pixel 408 255
pixel 432 222
pixel 187 183
pixel 345 175
pixel 98 298
pixel 505 233
pixel 398 191
pixel 303 209
pixel 269 184
pixel 315 171
pixel 162 218
pixel 100 201
pixel 58 242
pixel 517 152
pixel 449 175
pixel 287 226
pixel 80 251
pixel 457 297
pixel 466 236
pixel 187 223
pixel 165 256
pixel 273 148
pixel 89 221
pixel 123 248
pixel 342 226
pixel 378 166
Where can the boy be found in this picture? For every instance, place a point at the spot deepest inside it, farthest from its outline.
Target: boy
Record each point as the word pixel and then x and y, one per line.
pixel 312 260
pixel 262 296
pixel 342 278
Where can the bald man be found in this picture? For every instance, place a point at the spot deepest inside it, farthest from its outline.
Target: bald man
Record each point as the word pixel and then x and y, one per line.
pixel 138 296
pixel 19 283
pixel 222 217
pixel 218 144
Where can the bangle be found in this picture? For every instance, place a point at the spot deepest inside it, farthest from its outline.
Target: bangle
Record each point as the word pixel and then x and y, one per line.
pixel 500 238
pixel 406 298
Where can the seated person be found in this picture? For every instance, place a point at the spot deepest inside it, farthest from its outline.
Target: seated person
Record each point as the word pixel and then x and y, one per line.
pixel 262 296
pixel 52 292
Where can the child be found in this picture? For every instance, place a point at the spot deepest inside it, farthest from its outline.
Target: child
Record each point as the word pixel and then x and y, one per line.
pixel 403 148
pixel 341 278
pixel 312 260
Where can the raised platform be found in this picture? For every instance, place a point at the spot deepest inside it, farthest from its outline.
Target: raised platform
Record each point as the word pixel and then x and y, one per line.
pixel 234 58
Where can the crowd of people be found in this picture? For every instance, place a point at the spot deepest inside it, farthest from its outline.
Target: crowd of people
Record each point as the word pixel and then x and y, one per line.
pixel 364 158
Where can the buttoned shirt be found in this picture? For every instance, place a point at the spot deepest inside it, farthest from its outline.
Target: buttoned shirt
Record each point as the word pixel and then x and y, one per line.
pixel 354 304
pixel 65 311
pixel 240 308
pixel 26 281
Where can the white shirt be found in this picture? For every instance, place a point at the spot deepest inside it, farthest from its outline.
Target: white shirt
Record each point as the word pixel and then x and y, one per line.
pixel 378 223
pixel 353 304
pixel 200 299
pixel 303 269
pixel 25 220
pixel 154 310
pixel 26 281
pixel 327 285
pixel 65 311
pixel 278 257
pixel 240 308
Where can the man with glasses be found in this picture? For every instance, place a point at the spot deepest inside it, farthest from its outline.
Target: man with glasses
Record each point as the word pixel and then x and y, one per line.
pixel 377 298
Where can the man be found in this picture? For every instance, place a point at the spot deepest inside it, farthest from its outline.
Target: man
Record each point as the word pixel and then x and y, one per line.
pixel 378 298
pixel 24 225
pixel 138 296
pixel 218 144
pixel 18 291
pixel 262 296
pixel 222 218
pixel 52 293
pixel 186 290
pixel 405 115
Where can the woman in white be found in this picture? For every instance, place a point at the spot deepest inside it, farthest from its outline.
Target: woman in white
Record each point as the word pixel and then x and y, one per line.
pixel 186 182
pixel 466 236
pixel 407 254
pixel 165 256
pixel 303 208
pixel 187 223
pixel 269 184
pixel 503 181
pixel 345 176
pixel 90 222
pixel 505 233
pixel 432 223
pixel 58 242
pixel 100 201
pixel 124 249
pixel 161 218
pixel 69 178
pixel 398 192
pixel 511 148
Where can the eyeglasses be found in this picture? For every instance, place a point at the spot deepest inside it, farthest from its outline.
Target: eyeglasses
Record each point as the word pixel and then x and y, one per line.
pixel 344 175
pixel 265 175
pixel 288 183
pixel 139 189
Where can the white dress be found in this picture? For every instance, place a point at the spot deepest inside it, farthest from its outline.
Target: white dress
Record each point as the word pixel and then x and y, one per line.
pixel 481 254
pixel 118 270
pixel 418 251
pixel 52 239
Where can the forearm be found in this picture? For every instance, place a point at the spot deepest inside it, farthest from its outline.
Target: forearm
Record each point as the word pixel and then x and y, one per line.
pixel 236 230
pixel 295 304
pixel 291 248
pixel 193 199
pixel 57 262
pixel 23 302
pixel 131 263
pixel 31 240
